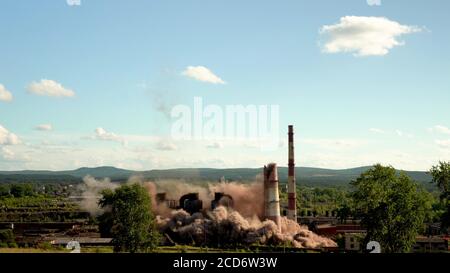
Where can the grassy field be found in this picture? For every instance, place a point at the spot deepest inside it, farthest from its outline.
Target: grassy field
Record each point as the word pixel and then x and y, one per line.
pixel 32 250
pixel 174 249
pixel 161 249
pixel 56 250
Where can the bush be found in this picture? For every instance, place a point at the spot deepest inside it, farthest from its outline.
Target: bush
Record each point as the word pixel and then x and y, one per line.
pixel 6 236
pixel 21 190
pixel 44 246
pixel 12 245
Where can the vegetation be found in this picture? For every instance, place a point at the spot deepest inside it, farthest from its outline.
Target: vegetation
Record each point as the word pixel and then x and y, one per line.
pixel 37 203
pixel 311 177
pixel 320 201
pixel 133 226
pixel 392 208
pixel 391 205
pixel 7 238
pixel 441 177
pixel 8 189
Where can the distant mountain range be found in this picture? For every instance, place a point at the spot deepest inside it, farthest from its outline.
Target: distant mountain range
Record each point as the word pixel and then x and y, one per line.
pixel 304 175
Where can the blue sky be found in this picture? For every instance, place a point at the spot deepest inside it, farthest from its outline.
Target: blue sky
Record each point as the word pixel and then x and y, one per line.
pixel 124 60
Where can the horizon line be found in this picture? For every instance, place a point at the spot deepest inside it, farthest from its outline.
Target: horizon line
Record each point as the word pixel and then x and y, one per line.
pixel 183 168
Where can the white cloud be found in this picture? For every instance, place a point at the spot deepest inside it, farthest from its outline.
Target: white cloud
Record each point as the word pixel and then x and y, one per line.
pixel 202 74
pixel 103 135
pixel 335 143
pixel 377 131
pixel 166 145
pixel 7 154
pixel 73 2
pixel 215 145
pixel 397 132
pixel 8 138
pixel 44 127
pixel 443 143
pixel 364 36
pixel 11 157
pixel 403 134
pixel 440 129
pixel 49 88
pixel 5 95
pixel 374 2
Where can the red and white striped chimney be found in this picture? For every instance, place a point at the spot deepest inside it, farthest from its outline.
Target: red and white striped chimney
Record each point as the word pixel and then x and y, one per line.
pixel 292 193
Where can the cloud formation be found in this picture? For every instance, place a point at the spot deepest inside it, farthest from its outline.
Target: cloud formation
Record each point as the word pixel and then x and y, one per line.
pixel 377 130
pixel 44 127
pixel 443 143
pixel 8 138
pixel 215 145
pixel 203 74
pixel 440 129
pixel 165 145
pixel 7 153
pixel 335 143
pixel 103 135
pixel 5 95
pixel 400 133
pixel 374 2
pixel 364 36
pixel 49 88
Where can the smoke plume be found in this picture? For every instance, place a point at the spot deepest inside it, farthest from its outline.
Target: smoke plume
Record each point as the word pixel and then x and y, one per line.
pixel 91 193
pixel 225 227
pixel 242 224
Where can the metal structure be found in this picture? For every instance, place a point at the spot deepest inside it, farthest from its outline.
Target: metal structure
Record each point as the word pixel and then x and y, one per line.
pixel 221 199
pixel 191 203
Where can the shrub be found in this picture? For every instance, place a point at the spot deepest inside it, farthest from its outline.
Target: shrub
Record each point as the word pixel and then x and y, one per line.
pixel 12 245
pixel 6 236
pixel 45 245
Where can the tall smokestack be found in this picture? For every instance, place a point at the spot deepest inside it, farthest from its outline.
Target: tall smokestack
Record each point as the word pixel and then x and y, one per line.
pixel 292 193
pixel 271 195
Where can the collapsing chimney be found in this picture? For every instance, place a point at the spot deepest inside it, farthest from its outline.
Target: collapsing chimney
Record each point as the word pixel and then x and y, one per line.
pixel 271 196
pixel 292 194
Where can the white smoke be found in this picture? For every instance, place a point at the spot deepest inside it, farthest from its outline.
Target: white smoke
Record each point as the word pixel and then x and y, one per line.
pixel 227 227
pixel 91 193
pixel 244 224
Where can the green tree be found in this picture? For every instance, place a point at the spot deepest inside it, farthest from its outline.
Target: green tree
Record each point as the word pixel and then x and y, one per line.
pixel 343 213
pixel 441 177
pixel 392 208
pixel 133 226
pixel 21 190
pixel 4 191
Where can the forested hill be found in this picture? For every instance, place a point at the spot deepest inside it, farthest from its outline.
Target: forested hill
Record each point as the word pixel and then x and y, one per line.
pixel 304 175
